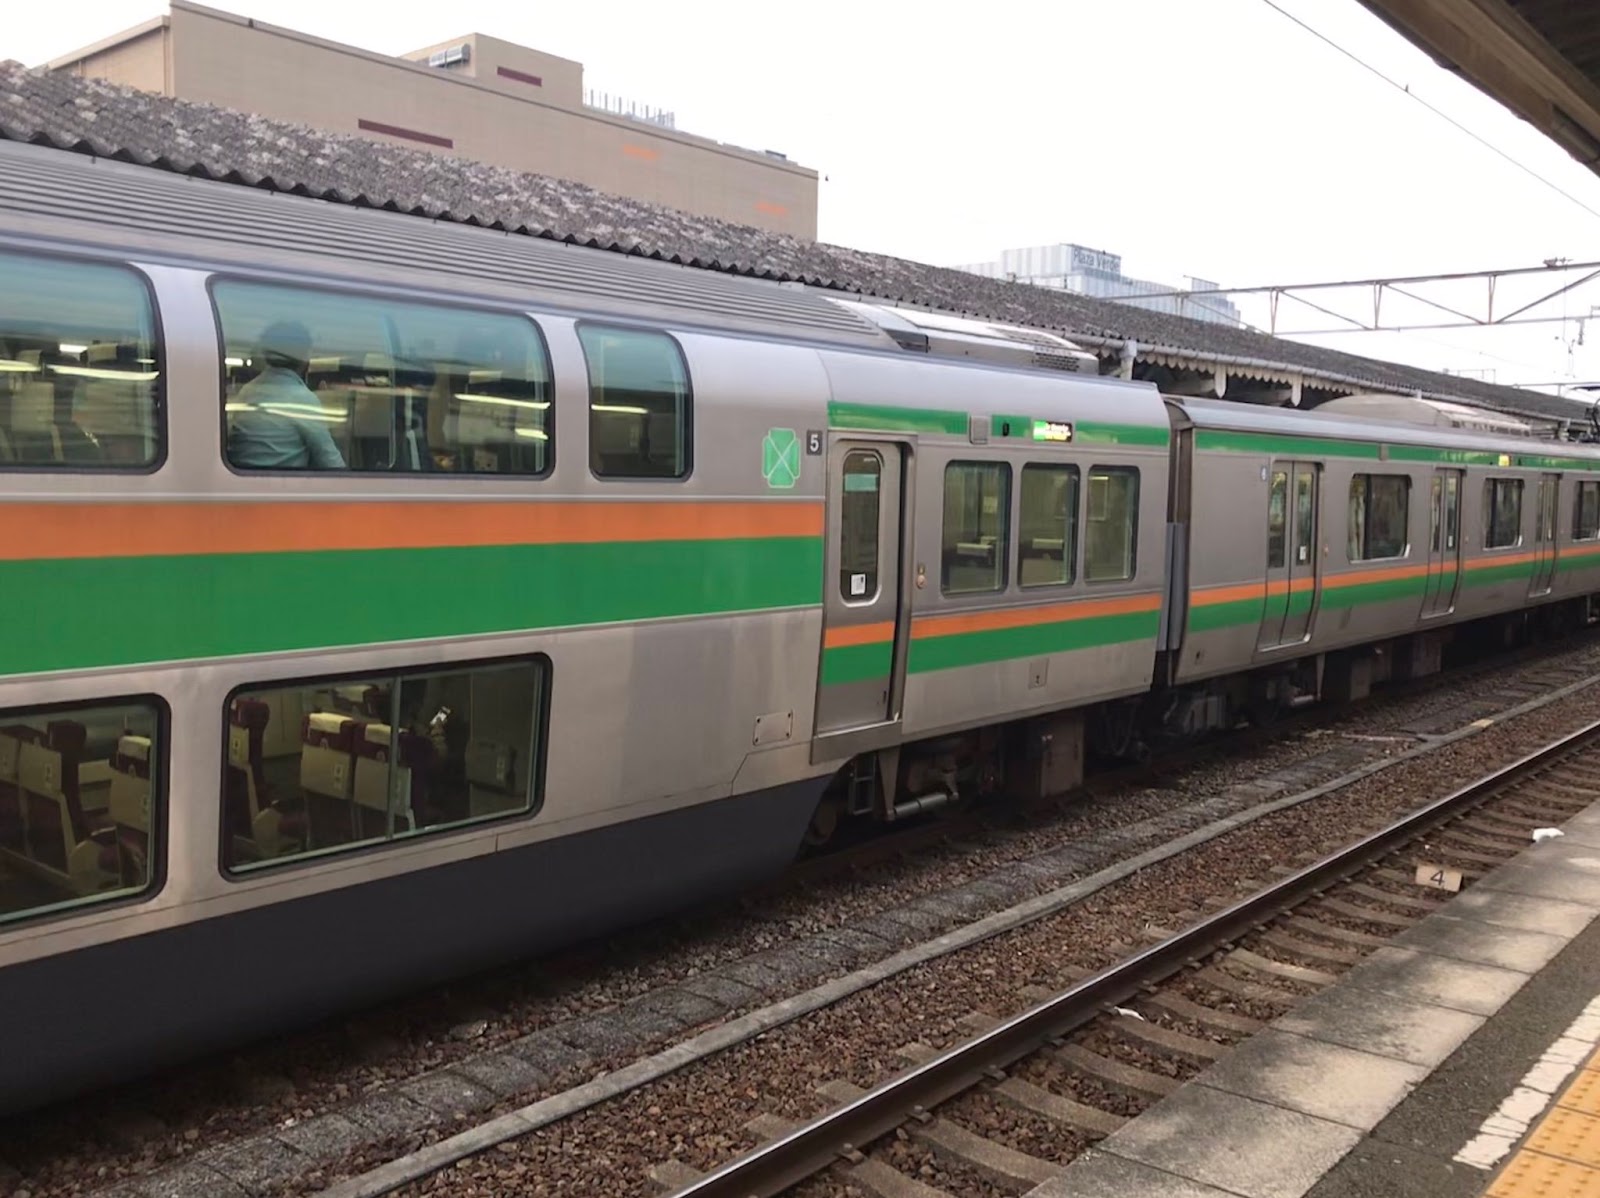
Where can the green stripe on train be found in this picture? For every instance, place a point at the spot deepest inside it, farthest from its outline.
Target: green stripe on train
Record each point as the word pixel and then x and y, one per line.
pixel 1292 445
pixel 884 418
pixel 1003 644
pixel 854 663
pixel 80 613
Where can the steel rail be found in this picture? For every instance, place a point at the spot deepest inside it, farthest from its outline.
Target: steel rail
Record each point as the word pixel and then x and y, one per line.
pixel 807 1151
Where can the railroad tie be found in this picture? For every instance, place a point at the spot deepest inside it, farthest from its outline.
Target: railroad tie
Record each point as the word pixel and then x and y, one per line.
pixel 1222 1021
pixel 1328 931
pixel 888 1182
pixel 1057 1108
pixel 1240 988
pixel 764 1126
pixel 1168 1040
pixel 1285 939
pixel 1423 902
pixel 1295 973
pixel 993 1160
pixel 1140 1082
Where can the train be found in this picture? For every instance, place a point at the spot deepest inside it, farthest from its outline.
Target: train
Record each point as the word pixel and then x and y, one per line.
pixel 386 598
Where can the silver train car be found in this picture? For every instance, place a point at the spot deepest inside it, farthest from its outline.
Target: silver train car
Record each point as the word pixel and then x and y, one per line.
pixel 386 598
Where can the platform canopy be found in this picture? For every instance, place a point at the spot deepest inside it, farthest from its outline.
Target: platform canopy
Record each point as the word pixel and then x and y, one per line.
pixel 1540 58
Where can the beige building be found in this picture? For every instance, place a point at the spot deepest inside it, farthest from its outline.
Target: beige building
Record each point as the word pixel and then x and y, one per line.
pixel 475 96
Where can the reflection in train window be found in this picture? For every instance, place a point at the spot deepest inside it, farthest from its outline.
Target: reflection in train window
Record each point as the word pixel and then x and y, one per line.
pixel 76 791
pixel 323 381
pixel 320 766
pixel 976 516
pixel 1111 530
pixel 1502 512
pixel 1379 513
pixel 638 403
pixel 80 370
pixel 1047 540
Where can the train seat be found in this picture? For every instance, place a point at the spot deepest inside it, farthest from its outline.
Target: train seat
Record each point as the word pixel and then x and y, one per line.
pixel 61 835
pixel 273 824
pixel 12 823
pixel 374 782
pixel 129 807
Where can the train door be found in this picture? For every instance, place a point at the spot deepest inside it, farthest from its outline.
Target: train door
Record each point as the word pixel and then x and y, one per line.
pixel 1291 584
pixel 1544 536
pixel 1444 544
pixel 861 594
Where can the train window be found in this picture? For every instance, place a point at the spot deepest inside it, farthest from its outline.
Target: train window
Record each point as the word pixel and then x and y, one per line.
pixel 1278 520
pixel 1047 545
pixel 1111 531
pixel 1586 516
pixel 858 526
pixel 80 367
pixel 324 381
pixel 76 805
pixel 977 503
pixel 638 403
pixel 1502 512
pixel 320 766
pixel 1379 509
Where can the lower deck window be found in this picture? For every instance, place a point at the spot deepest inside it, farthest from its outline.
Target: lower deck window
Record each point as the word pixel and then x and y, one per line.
pixel 76 790
pixel 320 766
pixel 1502 512
pixel 1379 513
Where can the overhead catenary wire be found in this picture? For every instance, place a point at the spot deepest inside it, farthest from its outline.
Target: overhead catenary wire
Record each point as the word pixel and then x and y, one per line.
pixel 1355 58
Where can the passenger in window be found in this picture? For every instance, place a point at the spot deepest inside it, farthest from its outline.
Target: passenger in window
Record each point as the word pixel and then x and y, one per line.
pixel 280 424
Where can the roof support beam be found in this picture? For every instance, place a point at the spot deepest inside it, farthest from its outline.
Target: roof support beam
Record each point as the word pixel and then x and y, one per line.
pixel 1489 43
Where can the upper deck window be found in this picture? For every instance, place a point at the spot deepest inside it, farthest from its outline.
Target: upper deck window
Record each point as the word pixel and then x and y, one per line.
pixel 80 366
pixel 638 403
pixel 324 381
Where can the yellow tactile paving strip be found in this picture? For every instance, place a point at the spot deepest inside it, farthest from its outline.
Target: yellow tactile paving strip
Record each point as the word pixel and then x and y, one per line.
pixel 1561 1158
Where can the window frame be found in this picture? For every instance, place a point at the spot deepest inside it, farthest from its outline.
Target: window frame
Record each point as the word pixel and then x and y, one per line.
pixel 160 395
pixel 1003 551
pixel 689 457
pixel 1577 510
pixel 367 293
pixel 160 790
pixel 877 456
pixel 1489 510
pixel 1074 525
pixel 1133 548
pixel 339 855
pixel 1406 541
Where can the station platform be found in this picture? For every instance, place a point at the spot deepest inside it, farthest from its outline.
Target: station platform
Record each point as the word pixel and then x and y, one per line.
pixel 1459 1061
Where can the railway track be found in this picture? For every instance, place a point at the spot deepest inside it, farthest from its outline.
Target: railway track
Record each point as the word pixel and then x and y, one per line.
pixel 1218 956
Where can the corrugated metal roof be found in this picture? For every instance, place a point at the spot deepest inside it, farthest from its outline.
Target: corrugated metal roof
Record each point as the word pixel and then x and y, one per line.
pixel 95 117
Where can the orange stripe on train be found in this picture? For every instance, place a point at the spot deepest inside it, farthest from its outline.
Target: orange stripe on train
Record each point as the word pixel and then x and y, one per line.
pixel 82 530
pixel 858 634
pixel 1027 617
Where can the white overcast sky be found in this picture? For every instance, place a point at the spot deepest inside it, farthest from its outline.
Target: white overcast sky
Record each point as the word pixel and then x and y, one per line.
pixel 1194 137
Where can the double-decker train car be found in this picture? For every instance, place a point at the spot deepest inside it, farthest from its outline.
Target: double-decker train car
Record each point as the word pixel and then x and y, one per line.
pixel 385 597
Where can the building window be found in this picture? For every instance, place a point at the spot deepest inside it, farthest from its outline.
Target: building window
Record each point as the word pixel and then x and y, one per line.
pixel 323 766
pixel 1111 531
pixel 1047 544
pixel 78 800
pixel 858 526
pixel 323 381
pixel 1379 506
pixel 80 367
pixel 1502 513
pixel 638 403
pixel 1586 517
pixel 976 515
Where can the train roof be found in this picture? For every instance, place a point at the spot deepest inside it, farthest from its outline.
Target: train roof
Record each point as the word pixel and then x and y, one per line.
pixel 189 139
pixel 1362 434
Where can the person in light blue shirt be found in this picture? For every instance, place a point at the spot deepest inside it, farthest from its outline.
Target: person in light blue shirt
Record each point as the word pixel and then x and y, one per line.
pixel 281 426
